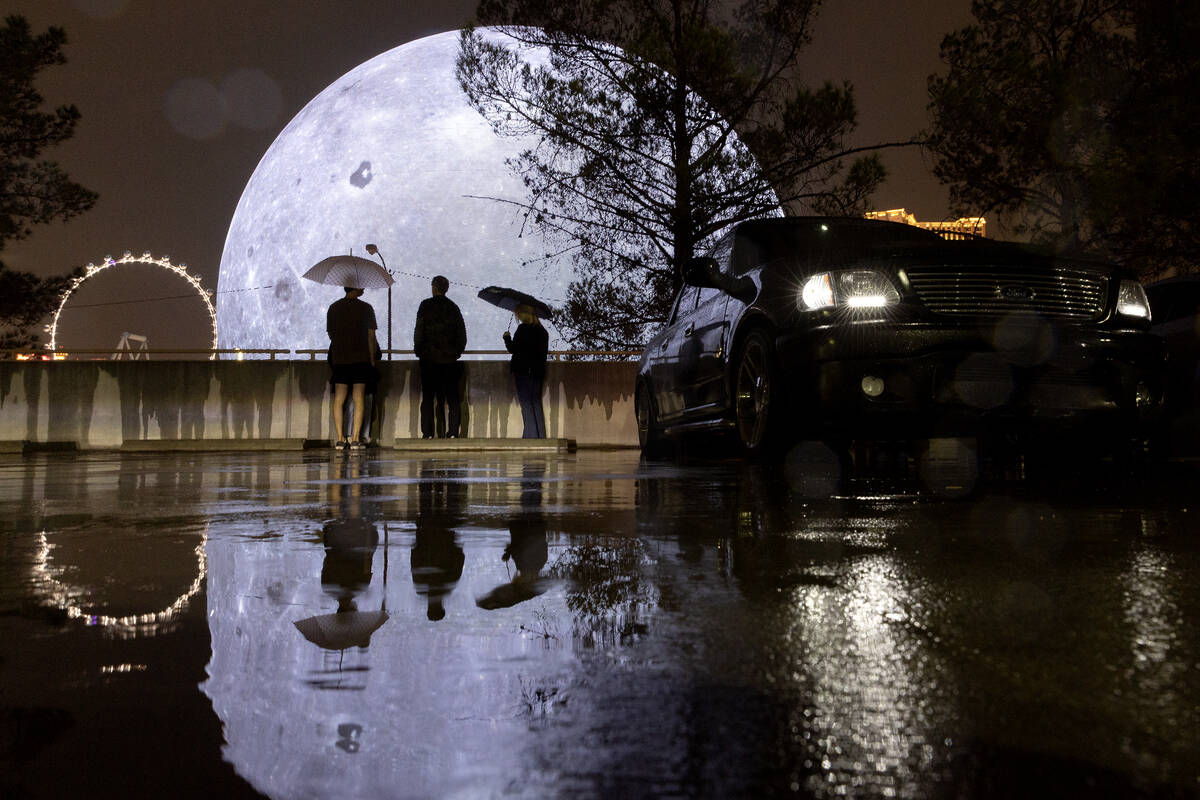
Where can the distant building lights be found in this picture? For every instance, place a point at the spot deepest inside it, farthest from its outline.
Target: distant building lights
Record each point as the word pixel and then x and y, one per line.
pixel 970 226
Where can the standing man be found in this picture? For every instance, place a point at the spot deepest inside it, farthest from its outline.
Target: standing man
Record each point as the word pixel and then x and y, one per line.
pixel 351 326
pixel 439 339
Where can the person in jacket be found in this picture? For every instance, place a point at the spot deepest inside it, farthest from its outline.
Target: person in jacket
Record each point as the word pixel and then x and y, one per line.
pixel 528 365
pixel 439 339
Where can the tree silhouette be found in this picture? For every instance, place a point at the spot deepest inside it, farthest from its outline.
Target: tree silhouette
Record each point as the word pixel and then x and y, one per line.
pixel 33 191
pixel 659 123
pixel 1077 120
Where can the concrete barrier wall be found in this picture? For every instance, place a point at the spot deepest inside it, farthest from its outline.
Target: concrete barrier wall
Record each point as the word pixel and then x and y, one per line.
pixel 100 404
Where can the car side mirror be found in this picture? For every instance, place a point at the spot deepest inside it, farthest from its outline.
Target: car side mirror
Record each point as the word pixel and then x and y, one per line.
pixel 702 271
pixel 706 273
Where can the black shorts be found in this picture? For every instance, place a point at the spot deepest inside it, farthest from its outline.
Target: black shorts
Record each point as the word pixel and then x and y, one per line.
pixel 350 374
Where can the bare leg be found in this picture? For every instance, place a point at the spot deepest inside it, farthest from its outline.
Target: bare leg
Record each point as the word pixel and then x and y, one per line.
pixel 339 403
pixel 359 395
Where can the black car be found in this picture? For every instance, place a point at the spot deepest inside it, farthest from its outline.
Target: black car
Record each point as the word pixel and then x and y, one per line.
pixel 843 329
pixel 1175 303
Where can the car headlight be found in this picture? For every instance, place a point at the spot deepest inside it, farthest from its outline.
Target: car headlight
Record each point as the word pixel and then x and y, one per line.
pixel 1131 300
pixel 860 288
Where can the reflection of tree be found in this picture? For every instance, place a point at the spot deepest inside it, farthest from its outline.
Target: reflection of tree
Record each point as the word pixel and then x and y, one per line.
pixel 605 589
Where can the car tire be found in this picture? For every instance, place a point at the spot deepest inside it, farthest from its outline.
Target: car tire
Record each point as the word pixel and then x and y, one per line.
pixel 755 391
pixel 650 436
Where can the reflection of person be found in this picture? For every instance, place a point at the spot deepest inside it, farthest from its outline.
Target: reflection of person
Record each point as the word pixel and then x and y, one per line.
pixel 528 367
pixel 437 559
pixel 350 541
pixel 351 326
pixel 439 339
pixel 349 550
pixel 528 551
pixel 527 547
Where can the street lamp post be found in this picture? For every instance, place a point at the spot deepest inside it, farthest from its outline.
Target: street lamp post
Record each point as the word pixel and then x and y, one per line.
pixel 373 250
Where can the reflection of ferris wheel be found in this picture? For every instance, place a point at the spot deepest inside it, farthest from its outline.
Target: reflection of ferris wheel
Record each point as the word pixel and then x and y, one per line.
pixel 145 258
pixel 69 599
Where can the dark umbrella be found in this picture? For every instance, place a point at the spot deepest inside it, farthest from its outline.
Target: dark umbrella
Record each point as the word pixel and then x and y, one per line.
pixel 511 298
pixel 509 594
pixel 350 272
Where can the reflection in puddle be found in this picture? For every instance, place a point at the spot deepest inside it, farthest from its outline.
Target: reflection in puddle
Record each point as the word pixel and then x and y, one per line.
pixel 348 663
pixel 589 625
pixel 78 601
pixel 874 694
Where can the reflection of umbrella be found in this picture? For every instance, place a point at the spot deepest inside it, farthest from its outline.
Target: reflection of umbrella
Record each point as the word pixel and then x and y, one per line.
pixel 509 594
pixel 342 630
pixel 511 298
pixel 350 272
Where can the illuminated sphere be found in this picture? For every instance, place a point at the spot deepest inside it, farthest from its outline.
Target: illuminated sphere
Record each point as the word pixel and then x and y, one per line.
pixel 389 154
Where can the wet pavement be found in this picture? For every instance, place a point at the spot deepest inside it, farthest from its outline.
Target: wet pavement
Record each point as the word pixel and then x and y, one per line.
pixel 299 625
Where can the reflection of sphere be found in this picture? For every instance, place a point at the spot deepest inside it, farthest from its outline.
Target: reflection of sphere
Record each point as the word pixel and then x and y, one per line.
pixel 389 154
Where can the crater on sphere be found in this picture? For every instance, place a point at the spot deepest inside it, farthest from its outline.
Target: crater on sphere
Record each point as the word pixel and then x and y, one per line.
pixel 283 290
pixel 361 176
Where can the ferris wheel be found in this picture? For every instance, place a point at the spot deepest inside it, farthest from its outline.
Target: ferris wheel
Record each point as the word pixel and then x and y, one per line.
pixel 109 262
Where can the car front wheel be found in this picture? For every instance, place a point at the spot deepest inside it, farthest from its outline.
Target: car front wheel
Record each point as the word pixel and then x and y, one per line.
pixel 754 393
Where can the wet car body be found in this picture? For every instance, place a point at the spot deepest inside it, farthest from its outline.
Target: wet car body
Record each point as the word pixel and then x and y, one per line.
pixel 1175 303
pixel 1175 307
pixel 838 329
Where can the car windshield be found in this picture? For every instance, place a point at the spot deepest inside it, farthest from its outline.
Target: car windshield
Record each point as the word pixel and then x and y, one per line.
pixel 807 240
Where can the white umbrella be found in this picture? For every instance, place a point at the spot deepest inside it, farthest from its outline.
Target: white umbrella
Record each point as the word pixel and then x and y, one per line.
pixel 350 272
pixel 342 630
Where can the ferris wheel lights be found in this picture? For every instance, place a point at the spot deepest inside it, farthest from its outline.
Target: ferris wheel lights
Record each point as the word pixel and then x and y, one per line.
pixel 146 258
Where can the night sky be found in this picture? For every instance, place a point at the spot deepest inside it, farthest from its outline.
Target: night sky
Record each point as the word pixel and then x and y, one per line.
pixel 169 176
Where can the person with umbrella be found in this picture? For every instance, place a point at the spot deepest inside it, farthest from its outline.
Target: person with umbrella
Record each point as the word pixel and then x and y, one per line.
pixel 528 366
pixel 351 325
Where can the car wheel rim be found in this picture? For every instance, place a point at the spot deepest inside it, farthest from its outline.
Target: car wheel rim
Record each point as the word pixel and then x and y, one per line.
pixel 754 394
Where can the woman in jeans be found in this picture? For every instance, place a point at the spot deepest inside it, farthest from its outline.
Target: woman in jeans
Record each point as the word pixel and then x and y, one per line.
pixel 528 365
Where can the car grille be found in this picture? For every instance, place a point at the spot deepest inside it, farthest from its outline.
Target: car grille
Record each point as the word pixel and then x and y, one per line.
pixel 1059 292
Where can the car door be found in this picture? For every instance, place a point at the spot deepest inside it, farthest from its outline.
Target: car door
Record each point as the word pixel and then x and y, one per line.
pixel 665 374
pixel 702 340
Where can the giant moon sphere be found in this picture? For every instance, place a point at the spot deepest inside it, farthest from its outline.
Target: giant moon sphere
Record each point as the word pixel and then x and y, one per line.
pixel 389 154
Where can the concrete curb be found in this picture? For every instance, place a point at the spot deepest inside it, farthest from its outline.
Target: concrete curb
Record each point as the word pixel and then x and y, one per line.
pixel 214 445
pixel 472 445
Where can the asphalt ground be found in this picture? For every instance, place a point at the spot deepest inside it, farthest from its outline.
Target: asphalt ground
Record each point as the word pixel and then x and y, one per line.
pixel 589 624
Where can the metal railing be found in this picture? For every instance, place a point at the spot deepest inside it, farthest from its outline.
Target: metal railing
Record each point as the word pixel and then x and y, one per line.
pixel 239 353
pixel 552 355
pixel 112 354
